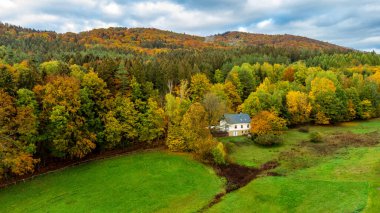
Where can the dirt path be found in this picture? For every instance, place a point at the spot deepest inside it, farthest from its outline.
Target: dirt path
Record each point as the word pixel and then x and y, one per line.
pixel 238 176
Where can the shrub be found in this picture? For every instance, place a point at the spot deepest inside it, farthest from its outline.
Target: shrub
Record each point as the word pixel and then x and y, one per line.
pixel 219 154
pixel 316 137
pixel 304 129
pixel 229 146
pixel 203 147
pixel 268 140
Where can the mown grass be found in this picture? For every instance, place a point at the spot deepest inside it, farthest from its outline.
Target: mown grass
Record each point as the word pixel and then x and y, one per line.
pixel 358 127
pixel 146 182
pixel 281 194
pixel 351 165
pixel 347 183
pixel 318 177
pixel 245 152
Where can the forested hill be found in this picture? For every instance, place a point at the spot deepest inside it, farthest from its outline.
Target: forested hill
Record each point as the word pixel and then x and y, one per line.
pixel 66 96
pixel 246 39
pixel 150 40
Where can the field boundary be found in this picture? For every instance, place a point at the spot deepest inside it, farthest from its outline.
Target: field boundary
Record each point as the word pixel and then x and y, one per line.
pixel 66 165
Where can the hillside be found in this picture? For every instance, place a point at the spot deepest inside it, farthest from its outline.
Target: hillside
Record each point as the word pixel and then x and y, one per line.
pixel 152 40
pixel 245 39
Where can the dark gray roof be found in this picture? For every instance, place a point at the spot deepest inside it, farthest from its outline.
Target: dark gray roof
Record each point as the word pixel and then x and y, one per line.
pixel 237 118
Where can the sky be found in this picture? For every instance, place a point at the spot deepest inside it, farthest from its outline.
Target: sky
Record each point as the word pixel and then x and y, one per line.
pixel 350 23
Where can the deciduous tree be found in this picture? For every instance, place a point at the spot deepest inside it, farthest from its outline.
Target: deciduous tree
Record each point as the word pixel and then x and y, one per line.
pixel 298 107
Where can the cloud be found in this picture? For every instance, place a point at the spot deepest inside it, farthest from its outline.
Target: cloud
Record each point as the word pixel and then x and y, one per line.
pixel 265 23
pixel 242 29
pixel 349 23
pixel 172 16
pixel 112 9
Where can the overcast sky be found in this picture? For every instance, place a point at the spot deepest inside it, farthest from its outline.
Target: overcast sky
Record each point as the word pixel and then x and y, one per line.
pixel 350 23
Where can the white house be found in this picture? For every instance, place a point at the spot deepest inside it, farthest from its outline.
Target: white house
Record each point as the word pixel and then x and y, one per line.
pixel 235 124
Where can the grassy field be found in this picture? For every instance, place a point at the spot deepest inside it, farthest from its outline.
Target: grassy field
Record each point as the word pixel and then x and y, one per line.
pixel 348 183
pixel 246 153
pixel 343 179
pixel 147 182
pixel 347 180
pixel 278 194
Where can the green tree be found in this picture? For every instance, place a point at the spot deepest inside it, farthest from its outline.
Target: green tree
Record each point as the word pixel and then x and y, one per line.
pixel 215 107
pixel 151 123
pixel 123 77
pixel 120 122
pixel 66 132
pixel 218 76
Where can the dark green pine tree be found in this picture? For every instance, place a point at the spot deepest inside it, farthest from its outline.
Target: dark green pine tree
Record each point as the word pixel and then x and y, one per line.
pixel 122 75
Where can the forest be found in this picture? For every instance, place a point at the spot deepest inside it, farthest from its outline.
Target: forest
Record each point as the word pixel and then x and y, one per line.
pixel 65 96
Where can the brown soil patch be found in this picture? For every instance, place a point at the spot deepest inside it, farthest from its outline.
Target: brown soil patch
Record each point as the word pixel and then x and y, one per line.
pixel 238 176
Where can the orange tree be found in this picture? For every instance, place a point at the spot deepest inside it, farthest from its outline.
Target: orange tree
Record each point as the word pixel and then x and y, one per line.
pixel 266 122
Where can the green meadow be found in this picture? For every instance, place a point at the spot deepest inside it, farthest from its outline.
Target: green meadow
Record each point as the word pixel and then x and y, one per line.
pixel 146 182
pixel 307 180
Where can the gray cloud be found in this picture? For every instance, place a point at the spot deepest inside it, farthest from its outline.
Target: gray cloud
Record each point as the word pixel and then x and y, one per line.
pixel 350 23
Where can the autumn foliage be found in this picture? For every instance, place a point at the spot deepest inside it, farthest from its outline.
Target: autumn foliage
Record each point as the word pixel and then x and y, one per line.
pixel 65 96
pixel 266 122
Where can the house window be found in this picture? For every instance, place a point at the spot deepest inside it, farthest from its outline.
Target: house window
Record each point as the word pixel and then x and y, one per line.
pixel 235 126
pixel 242 126
pixel 247 125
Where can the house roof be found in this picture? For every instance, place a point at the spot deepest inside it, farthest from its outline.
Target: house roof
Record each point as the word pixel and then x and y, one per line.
pixel 237 118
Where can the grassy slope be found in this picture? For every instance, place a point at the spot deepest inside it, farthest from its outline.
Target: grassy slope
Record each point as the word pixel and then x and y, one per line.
pixel 249 154
pixel 146 182
pixel 246 153
pixel 346 182
pixel 354 165
pixel 278 194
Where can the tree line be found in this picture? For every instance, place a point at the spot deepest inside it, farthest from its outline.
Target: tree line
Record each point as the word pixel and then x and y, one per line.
pixel 63 100
pixel 63 110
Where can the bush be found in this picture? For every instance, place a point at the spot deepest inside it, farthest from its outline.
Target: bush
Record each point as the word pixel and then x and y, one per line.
pixel 229 146
pixel 316 137
pixel 219 154
pixel 268 140
pixel 304 129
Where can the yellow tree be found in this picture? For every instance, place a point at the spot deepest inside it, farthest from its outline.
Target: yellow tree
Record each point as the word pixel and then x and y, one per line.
pixel 298 107
pixel 375 78
pixel 200 85
pixel 233 95
pixel 175 107
pixel 196 135
pixel 323 99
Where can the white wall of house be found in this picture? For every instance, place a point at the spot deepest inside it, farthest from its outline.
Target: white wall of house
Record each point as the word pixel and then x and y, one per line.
pixel 230 127
pixel 241 126
pixel 238 129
